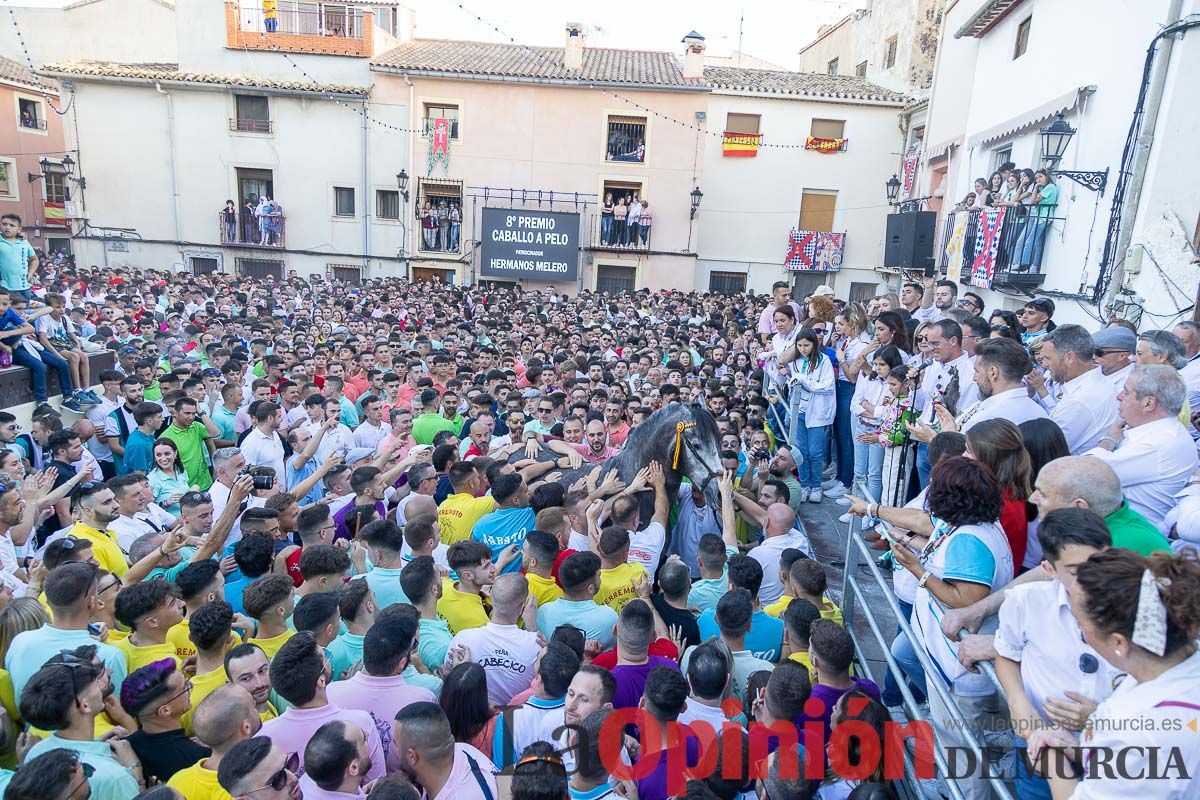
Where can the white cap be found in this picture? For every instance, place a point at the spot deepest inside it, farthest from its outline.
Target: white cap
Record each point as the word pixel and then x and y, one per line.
pixel 824 290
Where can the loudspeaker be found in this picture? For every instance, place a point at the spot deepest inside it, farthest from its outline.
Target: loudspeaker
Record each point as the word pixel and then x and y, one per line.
pixel 909 242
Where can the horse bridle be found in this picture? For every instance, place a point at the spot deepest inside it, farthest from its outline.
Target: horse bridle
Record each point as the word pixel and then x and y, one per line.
pixel 680 427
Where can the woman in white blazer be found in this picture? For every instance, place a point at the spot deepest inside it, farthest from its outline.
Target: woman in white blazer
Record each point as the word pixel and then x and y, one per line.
pixel 812 405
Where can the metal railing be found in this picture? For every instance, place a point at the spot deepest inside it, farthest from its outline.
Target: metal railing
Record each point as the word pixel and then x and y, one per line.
pixel 626 142
pixel 858 555
pixel 252 231
pixel 32 124
pixel 245 125
pixel 324 20
pixel 608 235
pixel 1020 249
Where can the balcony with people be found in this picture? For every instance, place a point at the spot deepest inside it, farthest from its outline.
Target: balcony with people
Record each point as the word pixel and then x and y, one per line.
pixel 261 224
pixel 623 223
pixel 299 27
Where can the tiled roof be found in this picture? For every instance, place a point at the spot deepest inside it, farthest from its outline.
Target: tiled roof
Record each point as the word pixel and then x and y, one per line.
pixel 802 84
pixel 600 65
pixel 170 72
pixel 15 72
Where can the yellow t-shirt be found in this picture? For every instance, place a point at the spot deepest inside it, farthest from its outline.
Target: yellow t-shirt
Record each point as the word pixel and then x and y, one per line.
pixel 202 687
pixel 116 635
pixel 271 646
pixel 461 610
pixel 269 12
pixel 802 658
pixel 104 547
pixel 545 590
pixel 198 783
pixel 184 649
pixel 269 713
pixel 777 608
pixel 830 612
pixel 141 656
pixel 458 514
pixel 616 585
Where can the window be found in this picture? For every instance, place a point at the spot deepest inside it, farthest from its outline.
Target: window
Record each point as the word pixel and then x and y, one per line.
pixel 831 67
pixel 259 268
pixel 626 140
pixel 31 117
pixel 346 273
pixel 387 204
pixel 863 292
pixel 204 265
pixel 253 114
pixel 861 70
pixel 439 213
pixel 889 53
pixel 828 128
pixel 6 172
pixel 1022 43
pixel 727 282
pixel 615 280
pixel 435 111
pixel 805 283
pixel 742 123
pixel 816 210
pixel 57 189
pixel 343 202
pixel 1004 154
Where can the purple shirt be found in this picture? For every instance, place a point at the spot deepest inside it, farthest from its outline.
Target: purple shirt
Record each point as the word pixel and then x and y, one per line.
pixel 829 696
pixel 654 785
pixel 631 680
pixel 344 518
pixel 292 729
pixel 382 698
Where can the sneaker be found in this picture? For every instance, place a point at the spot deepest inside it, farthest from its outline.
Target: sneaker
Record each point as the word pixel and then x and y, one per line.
pixel 814 496
pixel 844 518
pixel 829 484
pixel 844 500
pixel 836 490
pixel 84 400
pixel 73 405
pixel 92 397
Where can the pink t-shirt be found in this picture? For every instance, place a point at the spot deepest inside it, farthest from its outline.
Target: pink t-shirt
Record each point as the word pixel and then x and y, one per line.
pixel 590 457
pixel 381 698
pixel 463 784
pixel 292 729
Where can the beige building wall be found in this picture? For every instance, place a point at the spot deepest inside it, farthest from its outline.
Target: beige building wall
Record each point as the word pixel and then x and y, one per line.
pixel 531 136
pixel 835 41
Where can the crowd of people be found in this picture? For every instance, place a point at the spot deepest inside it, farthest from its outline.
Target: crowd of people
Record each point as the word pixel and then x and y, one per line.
pixel 322 542
pixel 1031 198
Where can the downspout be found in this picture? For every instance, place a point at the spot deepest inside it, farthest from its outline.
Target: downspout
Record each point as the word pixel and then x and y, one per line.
pixel 171 142
pixel 366 192
pixel 409 223
pixel 1145 143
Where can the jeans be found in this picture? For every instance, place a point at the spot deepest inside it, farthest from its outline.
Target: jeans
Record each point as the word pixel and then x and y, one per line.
pixel 1028 785
pixel 645 235
pixel 606 227
pixel 1031 244
pixel 455 230
pixel 843 439
pixel 271 25
pixel 813 444
pixel 907 659
pixel 618 232
pixel 632 229
pixel 37 366
pixel 231 231
pixel 923 465
pixel 868 461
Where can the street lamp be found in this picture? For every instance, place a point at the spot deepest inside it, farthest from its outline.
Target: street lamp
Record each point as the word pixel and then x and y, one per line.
pixel 697 196
pixel 893 189
pixel 1055 138
pixel 402 182
pixel 893 197
pixel 33 176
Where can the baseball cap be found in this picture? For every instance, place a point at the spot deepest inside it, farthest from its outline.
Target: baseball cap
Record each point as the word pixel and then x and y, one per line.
pixel 823 290
pixel 127 350
pixel 1115 338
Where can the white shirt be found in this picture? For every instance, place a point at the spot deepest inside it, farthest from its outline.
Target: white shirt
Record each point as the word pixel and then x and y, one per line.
pixel 1185 519
pixel 98 416
pixel 368 435
pixel 527 721
pixel 931 314
pixel 1154 462
pixel 265 450
pixel 506 654
pixel 696 711
pixel 1119 377
pixel 937 378
pixel 1038 630
pixel 1191 376
pixel 768 553
pixel 578 541
pixel 339 440
pixel 1138 721
pixel 1087 408
pixel 1013 405
pixel 646 546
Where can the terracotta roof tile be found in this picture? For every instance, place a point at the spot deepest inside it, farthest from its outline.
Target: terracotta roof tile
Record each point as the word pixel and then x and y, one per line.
pixel 15 72
pixel 170 72
pixel 601 65
pixel 802 84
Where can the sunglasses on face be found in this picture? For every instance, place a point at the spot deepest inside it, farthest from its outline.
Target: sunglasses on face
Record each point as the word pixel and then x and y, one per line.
pixel 278 781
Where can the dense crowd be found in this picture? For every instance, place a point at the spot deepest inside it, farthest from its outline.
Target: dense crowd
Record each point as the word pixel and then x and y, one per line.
pixel 339 541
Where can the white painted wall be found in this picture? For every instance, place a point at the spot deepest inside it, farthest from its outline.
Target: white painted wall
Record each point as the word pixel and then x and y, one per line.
pixel 751 204
pixel 102 30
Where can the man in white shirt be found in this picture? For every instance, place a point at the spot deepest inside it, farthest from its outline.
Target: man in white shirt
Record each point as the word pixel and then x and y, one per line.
pixel 262 446
pixel 780 533
pixel 938 298
pixel 1148 447
pixel 372 431
pixel 781 295
pixel 1083 411
pixel 646 545
pixel 944 338
pixel 422 482
pixel 1000 369
pixel 1114 346
pixel 98 414
pixel 339 440
pixel 506 653
pixel 135 520
pixel 1189 334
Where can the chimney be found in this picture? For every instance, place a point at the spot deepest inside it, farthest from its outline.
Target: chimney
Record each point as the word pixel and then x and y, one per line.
pixel 693 55
pixel 573 55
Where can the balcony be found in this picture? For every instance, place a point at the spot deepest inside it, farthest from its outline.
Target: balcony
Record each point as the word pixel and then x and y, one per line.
pixel 267 232
pixel 243 125
pixel 1021 251
pixel 323 28
pixel 611 236
pixel 32 123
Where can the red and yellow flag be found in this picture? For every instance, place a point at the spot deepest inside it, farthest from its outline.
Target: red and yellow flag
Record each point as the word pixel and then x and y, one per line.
pixel 740 145
pixel 822 145
pixel 55 214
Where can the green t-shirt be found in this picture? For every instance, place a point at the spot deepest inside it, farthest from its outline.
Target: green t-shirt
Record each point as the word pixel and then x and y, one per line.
pixel 426 426
pixel 1132 531
pixel 191 451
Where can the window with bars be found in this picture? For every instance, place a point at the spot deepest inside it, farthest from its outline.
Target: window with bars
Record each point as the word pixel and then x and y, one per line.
pixel 626 139
pixel 439 215
pixel 387 204
pixel 863 292
pixel 253 113
pixel 343 201
pixel 6 170
pixel 346 273
pixel 727 282
pixel 203 265
pixel 261 268
pixel 614 280
pixel 32 117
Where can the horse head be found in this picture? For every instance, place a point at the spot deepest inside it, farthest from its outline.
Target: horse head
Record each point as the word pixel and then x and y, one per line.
pixel 695 447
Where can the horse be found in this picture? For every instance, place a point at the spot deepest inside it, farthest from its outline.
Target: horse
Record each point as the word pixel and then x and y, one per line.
pixel 682 437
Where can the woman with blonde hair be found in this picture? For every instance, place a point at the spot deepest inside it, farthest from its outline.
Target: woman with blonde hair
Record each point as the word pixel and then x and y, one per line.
pixel 20 615
pixel 855 342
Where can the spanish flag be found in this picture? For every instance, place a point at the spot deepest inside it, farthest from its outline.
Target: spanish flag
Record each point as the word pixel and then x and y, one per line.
pixel 740 145
pixel 55 214
pixel 822 145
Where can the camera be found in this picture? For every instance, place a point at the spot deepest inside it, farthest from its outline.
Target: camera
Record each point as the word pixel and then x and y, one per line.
pixel 264 477
pixel 759 455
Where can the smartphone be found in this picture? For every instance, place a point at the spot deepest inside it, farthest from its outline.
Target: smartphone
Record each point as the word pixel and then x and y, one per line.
pixel 93 629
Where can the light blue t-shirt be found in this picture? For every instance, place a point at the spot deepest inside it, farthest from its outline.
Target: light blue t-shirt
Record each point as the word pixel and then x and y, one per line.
pixel 171 573
pixel 385 583
pixel 224 419
pixel 349 415
pixel 14 263
pixel 431 682
pixel 968 558
pixel 295 476
pixel 235 585
pixel 707 591
pixel 765 639
pixel 434 642
pixel 501 529
pixel 109 781
pixel 30 651
pixel 596 621
pixel 344 652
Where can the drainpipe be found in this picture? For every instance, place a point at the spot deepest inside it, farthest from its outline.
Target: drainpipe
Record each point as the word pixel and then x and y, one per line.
pixel 1145 143
pixel 366 191
pixel 171 141
pixel 412 126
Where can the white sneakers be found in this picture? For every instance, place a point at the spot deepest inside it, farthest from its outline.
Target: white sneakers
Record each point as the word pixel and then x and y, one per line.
pixel 836 490
pixel 815 496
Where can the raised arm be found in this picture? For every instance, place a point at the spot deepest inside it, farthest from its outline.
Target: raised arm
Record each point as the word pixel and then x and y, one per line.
pixel 728 516
pixel 662 503
pixel 305 486
pixel 215 541
pixel 174 539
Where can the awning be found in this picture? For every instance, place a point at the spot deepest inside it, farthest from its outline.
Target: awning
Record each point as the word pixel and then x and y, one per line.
pixel 986 17
pixel 1059 105
pixel 942 149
